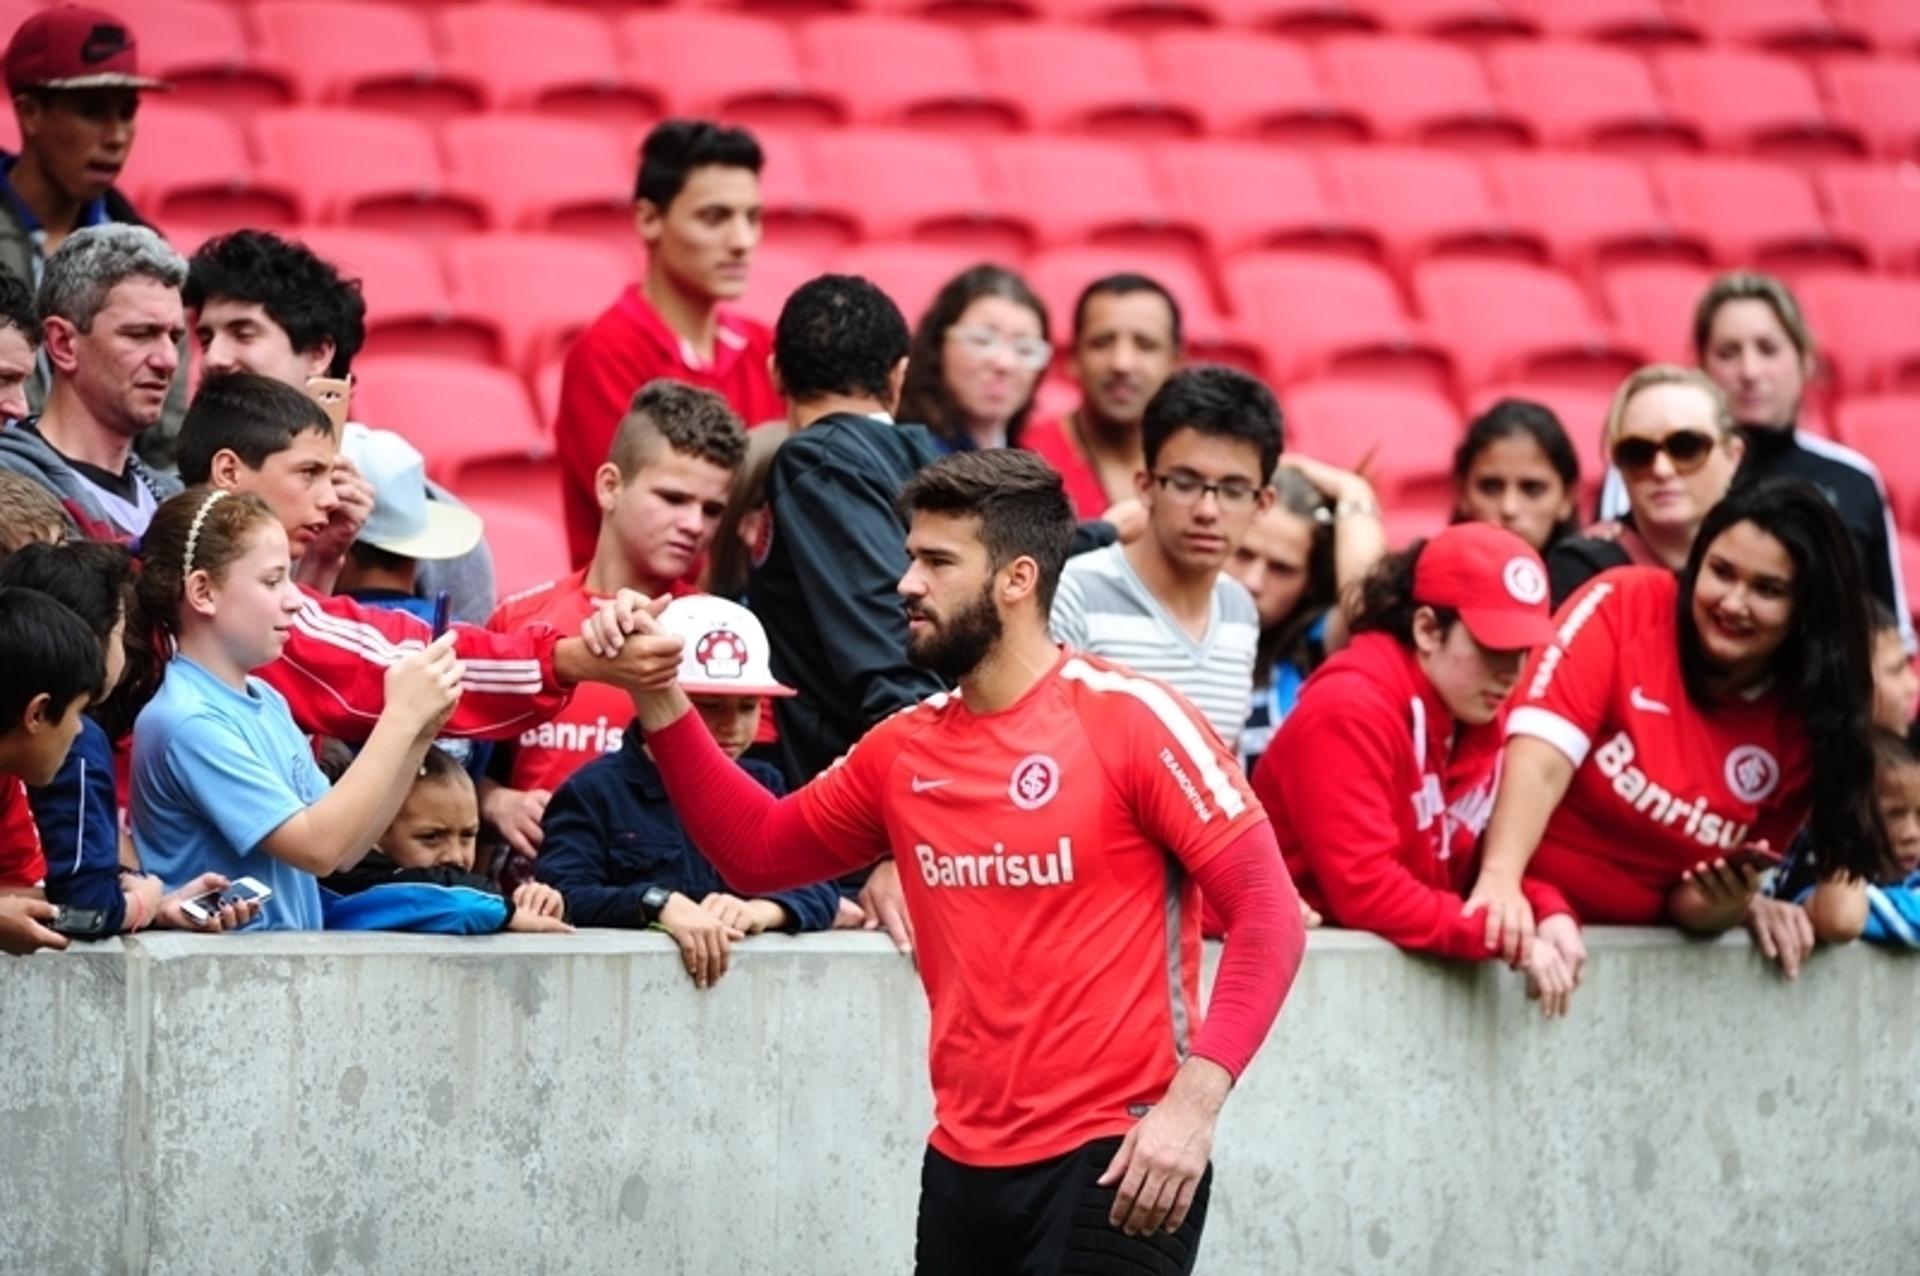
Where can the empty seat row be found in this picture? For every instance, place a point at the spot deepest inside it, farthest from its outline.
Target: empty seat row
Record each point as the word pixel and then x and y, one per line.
pixel 884 70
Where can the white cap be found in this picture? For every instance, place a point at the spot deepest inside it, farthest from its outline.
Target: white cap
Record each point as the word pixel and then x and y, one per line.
pixel 404 521
pixel 727 653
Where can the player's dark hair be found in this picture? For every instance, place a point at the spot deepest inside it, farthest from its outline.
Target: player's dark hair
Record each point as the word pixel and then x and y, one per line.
pixel 1386 598
pixel 1018 498
pixel 18 308
pixel 926 398
pixel 252 416
pixel 686 418
pixel 1218 401
pixel 838 334
pixel 1824 669
pixel 677 147
pixel 1515 418
pixel 45 649
pixel 300 291
pixel 1121 285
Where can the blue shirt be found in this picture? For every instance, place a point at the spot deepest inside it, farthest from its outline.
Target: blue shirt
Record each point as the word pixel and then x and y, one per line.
pixel 215 771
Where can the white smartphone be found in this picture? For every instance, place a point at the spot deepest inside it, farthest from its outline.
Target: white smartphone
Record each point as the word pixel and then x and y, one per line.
pixel 244 890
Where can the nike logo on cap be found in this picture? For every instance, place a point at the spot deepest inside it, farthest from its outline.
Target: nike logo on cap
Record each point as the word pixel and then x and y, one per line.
pixel 921 786
pixel 1641 701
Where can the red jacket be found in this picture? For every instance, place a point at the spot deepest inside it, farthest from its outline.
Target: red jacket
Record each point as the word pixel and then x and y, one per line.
pixel 333 670
pixel 1379 799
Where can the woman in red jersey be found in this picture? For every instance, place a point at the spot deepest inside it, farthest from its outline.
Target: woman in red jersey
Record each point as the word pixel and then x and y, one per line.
pixel 1380 781
pixel 1677 726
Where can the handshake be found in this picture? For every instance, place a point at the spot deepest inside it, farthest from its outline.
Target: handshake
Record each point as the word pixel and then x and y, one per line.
pixel 634 650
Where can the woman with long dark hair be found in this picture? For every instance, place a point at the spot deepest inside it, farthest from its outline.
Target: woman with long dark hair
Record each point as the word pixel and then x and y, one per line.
pixel 1680 730
pixel 1517 469
pixel 977 357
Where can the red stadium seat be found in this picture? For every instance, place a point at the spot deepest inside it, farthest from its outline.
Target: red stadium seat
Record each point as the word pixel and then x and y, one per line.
pixel 1155 16
pixel 543 289
pixel 899 71
pixel 1892 25
pixel 365 54
pixel 366 168
pixel 1882 426
pixel 1242 84
pixel 931 189
pixel 1578 94
pixel 1251 196
pixel 457 414
pixel 1882 96
pixel 777 271
pixel 189 167
pixel 1424 202
pixel 1745 101
pixel 805 209
pixel 410 310
pixel 909 273
pixel 1059 276
pixel 1880 207
pixel 1869 329
pixel 541 173
pixel 1075 191
pixel 1652 306
pixel 1415 90
pixel 1752 213
pixel 534 58
pixel 1300 17
pixel 526 541
pixel 1591 209
pixel 726 65
pixel 1509 321
pixel 1400 437
pixel 1078 78
pixel 1316 315
pixel 1810 26
pixel 200 48
pixel 1468 20
pixel 962 13
pixel 1623 21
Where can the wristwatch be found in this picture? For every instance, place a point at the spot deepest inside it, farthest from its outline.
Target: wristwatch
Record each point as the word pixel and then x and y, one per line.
pixel 653 903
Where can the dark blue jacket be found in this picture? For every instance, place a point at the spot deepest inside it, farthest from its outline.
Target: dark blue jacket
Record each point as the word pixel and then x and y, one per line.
pixel 78 814
pixel 610 833
pixel 374 895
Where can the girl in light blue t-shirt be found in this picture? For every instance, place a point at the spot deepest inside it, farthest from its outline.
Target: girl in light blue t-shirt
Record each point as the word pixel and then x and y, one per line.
pixel 223 781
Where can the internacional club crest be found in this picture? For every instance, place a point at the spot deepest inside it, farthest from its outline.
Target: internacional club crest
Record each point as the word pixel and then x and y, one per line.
pixel 1036 778
pixel 1752 773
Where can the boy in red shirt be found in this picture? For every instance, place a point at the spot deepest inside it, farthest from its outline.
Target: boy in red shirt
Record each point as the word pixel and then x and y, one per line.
pixel 698 210
pixel 1055 818
pixel 660 490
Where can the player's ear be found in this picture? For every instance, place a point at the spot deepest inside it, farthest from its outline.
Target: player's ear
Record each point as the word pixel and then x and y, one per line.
pixel 1019 579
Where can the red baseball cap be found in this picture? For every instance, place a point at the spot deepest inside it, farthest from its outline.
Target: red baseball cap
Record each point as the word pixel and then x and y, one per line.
pixel 75 48
pixel 1493 579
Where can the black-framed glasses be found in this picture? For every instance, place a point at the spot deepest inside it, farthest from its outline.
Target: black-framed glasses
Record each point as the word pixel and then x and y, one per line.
pixel 1687 449
pixel 1187 488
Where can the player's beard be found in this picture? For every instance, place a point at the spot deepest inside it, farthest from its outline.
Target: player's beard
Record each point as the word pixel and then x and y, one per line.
pixel 954 647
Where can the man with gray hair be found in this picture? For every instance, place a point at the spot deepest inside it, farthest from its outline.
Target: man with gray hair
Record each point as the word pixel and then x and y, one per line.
pixel 112 318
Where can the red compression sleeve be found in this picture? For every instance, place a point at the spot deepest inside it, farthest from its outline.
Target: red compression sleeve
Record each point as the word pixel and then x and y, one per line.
pixel 1248 883
pixel 760 843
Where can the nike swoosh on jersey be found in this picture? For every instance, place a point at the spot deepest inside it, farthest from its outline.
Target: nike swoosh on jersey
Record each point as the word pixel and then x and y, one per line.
pixel 921 786
pixel 1641 701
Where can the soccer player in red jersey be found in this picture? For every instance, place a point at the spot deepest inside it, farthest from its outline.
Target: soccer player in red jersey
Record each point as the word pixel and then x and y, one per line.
pixel 661 489
pixel 1055 819
pixel 697 200
pixel 1674 726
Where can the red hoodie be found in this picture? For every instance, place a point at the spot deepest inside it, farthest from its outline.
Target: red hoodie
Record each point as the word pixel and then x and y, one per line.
pixel 1378 799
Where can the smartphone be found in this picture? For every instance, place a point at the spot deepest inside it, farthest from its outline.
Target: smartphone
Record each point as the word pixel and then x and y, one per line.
pixel 442 612
pixel 84 923
pixel 205 907
pixel 332 394
pixel 1754 858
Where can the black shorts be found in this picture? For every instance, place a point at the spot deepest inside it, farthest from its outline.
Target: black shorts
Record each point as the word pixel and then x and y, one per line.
pixel 1044 1219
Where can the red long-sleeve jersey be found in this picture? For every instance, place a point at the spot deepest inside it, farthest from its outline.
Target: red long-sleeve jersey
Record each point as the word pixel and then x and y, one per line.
pixel 333 670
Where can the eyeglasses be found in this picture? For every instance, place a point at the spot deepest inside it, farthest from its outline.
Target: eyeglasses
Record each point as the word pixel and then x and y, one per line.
pixel 1030 353
pixel 1687 449
pixel 1187 488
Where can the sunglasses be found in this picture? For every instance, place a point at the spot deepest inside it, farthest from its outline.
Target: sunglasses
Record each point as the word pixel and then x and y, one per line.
pixel 1687 449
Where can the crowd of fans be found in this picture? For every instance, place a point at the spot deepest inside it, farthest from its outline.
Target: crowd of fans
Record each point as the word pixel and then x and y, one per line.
pixel 246 638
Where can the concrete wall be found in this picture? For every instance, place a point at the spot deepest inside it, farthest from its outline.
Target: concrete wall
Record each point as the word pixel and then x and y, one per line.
pixel 383 1103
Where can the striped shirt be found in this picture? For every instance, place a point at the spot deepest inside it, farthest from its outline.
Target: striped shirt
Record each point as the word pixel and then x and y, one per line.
pixel 1104 608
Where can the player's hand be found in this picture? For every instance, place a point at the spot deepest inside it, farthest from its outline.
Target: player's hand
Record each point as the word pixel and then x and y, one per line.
pixel 1162 1160
pixel 629 611
pixel 540 899
pixel 424 686
pixel 22 928
pixel 705 941
pixel 885 905
pixel 150 891
pixel 1783 930
pixel 517 813
pixel 1509 918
